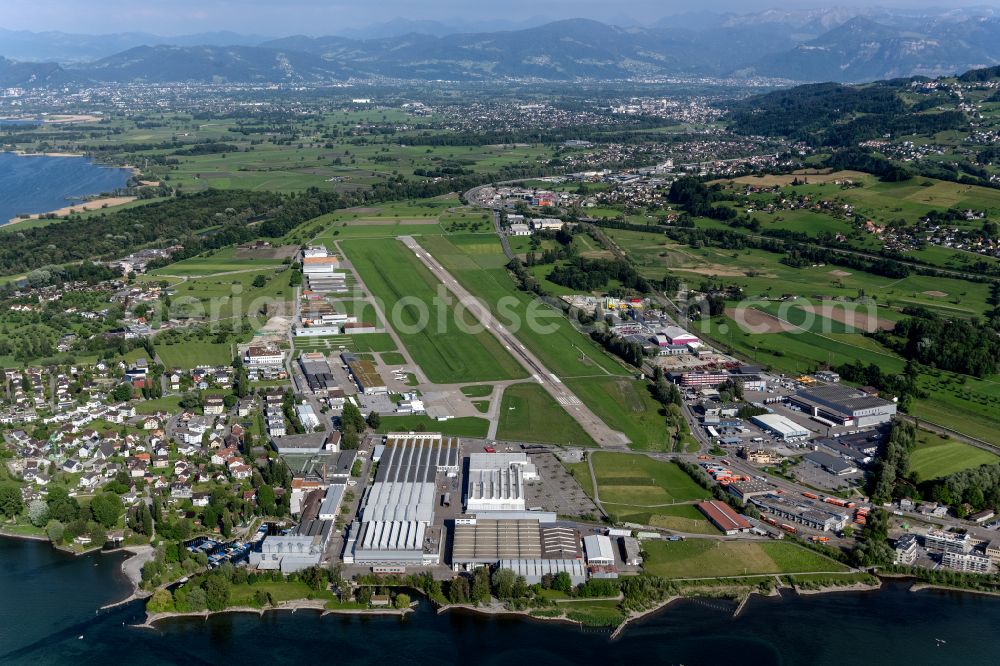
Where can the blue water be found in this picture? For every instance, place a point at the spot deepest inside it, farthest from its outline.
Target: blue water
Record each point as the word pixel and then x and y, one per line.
pixel 48 600
pixel 40 184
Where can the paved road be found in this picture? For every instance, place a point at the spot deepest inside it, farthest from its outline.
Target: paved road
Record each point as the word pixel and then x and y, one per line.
pixel 594 426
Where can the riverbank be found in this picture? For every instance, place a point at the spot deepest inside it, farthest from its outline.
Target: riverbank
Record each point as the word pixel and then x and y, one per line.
pixel 318 605
pixel 66 211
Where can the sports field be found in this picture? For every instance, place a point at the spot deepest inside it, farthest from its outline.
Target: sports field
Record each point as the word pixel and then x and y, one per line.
pixel 529 414
pixel 699 558
pixel 935 457
pixel 640 481
pixel 445 348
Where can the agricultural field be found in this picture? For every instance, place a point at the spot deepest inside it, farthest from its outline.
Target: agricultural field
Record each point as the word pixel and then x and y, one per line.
pixel 698 558
pixel 761 275
pixel 529 414
pixel 935 457
pixel 642 482
pixel 445 350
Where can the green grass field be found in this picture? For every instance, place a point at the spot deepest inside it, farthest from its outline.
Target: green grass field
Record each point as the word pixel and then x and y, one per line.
pixel 696 558
pixel 477 262
pixel 935 457
pixel 466 426
pixel 625 405
pixel 445 350
pixel 641 482
pixel 684 518
pixel 477 391
pixel 189 355
pixel 529 414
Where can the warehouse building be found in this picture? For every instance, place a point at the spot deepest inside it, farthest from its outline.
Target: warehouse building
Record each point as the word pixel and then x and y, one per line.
pixel 533 570
pixel 364 374
pixel 844 405
pixel 330 508
pixel 484 542
pixel 599 550
pixel 782 427
pixel 404 487
pixel 317 372
pixel 831 464
pixel 394 542
pixel 496 481
pixel 809 514
pixel 561 543
pixel 744 491
pixel 723 517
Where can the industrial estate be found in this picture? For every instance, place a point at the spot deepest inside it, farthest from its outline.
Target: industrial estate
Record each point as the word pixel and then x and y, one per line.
pixel 566 353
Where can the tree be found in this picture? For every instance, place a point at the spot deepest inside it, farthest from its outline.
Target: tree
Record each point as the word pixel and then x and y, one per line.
pixel 402 601
pixel 373 420
pixel 38 513
pixel 11 504
pixel 458 592
pixel 216 592
pixel 265 499
pixel 481 586
pixel 62 507
pixel 147 521
pixel 562 582
pixel 106 508
pixel 55 531
pixel 161 602
pixel 503 583
pixel 122 392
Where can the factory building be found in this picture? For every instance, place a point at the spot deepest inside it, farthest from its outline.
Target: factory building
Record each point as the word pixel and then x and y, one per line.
pixel 723 517
pixel 599 550
pixel 745 491
pixel 809 514
pixel 782 427
pixel 844 405
pixel 831 464
pixel 484 542
pixel 364 374
pixel 317 372
pixel 495 481
pixel 330 508
pixel 533 570
pixel 404 486
pixel 395 526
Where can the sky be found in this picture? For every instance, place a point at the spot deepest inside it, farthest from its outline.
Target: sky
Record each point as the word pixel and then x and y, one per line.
pixel 316 17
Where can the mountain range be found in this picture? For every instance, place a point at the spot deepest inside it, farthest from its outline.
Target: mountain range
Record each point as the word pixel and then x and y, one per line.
pixel 808 45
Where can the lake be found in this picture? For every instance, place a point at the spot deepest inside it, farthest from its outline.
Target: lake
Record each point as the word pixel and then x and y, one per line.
pixel 48 600
pixel 40 183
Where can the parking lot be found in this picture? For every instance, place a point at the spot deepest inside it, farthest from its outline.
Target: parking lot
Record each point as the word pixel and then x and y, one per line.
pixel 557 491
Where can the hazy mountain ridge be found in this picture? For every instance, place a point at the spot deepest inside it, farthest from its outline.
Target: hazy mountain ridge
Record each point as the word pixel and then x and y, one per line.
pixel 828 45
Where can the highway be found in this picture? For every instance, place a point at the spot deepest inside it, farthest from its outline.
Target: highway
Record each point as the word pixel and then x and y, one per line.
pixel 590 422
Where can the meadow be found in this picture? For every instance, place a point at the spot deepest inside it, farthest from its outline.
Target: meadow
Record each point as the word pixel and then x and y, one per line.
pixel 935 457
pixel 529 414
pixel 640 481
pixel 699 558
